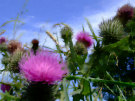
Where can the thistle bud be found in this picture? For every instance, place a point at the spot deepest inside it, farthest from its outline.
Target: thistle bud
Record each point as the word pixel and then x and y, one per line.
pixel 111 31
pixel 2 40
pixel 80 48
pixel 66 34
pixel 14 61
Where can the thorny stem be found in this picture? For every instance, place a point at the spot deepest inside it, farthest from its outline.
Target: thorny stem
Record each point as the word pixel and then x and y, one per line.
pixel 101 81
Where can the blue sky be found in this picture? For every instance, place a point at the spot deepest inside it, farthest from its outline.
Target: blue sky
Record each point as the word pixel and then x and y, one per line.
pixel 41 15
pixel 54 10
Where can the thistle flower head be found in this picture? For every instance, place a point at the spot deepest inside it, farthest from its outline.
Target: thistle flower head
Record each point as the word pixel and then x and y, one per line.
pixel 85 38
pixel 13 45
pixel 111 31
pixel 2 40
pixel 5 87
pixel 43 67
pixel 125 13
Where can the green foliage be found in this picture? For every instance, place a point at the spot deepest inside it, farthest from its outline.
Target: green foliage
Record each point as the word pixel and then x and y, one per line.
pixel 130 27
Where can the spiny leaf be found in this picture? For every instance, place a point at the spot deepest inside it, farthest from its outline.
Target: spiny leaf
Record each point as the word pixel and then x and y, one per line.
pixel 91 29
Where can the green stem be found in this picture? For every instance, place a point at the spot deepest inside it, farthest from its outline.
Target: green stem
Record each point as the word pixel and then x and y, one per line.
pixel 117 86
pixel 102 81
pixel 90 93
pixel 91 29
pixel 73 54
pixel 65 88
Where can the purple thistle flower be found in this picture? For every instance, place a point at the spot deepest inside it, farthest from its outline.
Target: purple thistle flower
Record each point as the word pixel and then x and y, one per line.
pixel 13 45
pixel 125 13
pixel 85 38
pixel 5 87
pixel 43 67
pixel 2 40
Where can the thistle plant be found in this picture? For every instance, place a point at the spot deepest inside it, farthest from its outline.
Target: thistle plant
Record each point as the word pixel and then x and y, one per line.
pixel 39 73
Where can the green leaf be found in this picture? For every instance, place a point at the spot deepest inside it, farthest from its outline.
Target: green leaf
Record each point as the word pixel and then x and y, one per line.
pixel 78 91
pixel 91 29
pixel 121 93
pixel 78 97
pixel 86 87
pixel 65 90
pixel 83 28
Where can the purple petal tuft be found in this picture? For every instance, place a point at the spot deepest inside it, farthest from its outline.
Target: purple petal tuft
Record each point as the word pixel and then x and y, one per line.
pixel 85 38
pixel 43 67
